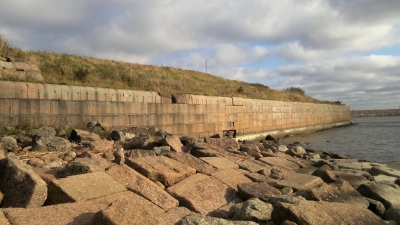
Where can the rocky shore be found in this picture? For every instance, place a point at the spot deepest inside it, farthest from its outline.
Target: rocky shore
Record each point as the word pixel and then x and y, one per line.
pixel 149 176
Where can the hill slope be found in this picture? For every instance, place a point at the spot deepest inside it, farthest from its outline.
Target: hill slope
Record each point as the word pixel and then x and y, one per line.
pixel 86 71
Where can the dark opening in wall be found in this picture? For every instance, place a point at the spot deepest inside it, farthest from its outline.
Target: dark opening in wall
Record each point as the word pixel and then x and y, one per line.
pixel 229 133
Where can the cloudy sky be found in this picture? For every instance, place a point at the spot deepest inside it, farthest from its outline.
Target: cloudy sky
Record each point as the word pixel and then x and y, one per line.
pixel 332 49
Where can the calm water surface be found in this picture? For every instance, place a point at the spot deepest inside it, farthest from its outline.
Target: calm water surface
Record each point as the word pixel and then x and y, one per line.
pixel 372 138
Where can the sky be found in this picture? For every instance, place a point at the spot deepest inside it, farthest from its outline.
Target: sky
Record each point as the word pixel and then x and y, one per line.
pixel 334 50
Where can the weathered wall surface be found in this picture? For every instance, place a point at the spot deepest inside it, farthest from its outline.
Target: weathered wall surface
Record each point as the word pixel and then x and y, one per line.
pixel 49 104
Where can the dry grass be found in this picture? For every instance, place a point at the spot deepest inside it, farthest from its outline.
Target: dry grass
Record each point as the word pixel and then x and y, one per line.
pixel 86 71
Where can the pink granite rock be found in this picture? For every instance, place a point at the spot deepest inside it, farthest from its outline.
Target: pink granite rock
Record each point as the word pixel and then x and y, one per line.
pixel 139 184
pixel 202 193
pixel 20 185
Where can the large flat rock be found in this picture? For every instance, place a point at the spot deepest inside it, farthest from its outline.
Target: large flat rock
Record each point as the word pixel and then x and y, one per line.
pixel 173 215
pixel 320 212
pixel 160 168
pixel 20 185
pixel 220 163
pixel 388 194
pixel 253 165
pixel 78 213
pixel 206 150
pixel 223 143
pixel 82 187
pixel 279 161
pixel 383 170
pixel 299 181
pixel 231 177
pixel 257 190
pixel 202 193
pixel 139 184
pixel 339 191
pixel 124 212
pixel 331 176
pixel 190 160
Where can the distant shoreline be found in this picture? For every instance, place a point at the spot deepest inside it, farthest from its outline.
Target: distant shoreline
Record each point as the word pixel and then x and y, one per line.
pixel 374 113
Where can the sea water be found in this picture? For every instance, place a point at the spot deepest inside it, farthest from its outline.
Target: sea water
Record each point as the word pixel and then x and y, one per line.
pixel 371 138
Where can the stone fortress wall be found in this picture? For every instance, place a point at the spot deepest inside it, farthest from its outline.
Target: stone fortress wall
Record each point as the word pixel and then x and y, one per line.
pixel 180 114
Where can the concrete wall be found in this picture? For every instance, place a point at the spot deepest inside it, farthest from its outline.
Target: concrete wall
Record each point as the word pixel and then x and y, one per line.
pixel 48 104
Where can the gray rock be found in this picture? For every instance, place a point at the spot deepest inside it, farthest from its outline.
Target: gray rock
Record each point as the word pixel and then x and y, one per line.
pixel 283 198
pixel 357 173
pixel 140 142
pixel 376 206
pixel 48 143
pixel 205 220
pixel 8 143
pixel 392 214
pixel 339 191
pixel 137 153
pixel 175 143
pixel 282 148
pixel 254 210
pixel 83 136
pixel 20 185
pixel 332 176
pixel 299 181
pixel 117 135
pixel 383 170
pixel 384 179
pixel 84 165
pixel 267 145
pixel 389 195
pixel 45 131
pixel 162 150
pixel 307 170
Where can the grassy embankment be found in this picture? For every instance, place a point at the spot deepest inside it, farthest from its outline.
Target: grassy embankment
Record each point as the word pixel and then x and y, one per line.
pixel 87 71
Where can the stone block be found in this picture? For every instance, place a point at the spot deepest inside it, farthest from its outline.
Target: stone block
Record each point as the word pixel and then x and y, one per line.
pixel 138 153
pixel 173 215
pixel 299 181
pixel 21 186
pixel 82 187
pixel 220 163
pixel 142 186
pixel 207 220
pixel 202 193
pixel 231 177
pixel 77 213
pixel 388 194
pixel 160 168
pixel 383 170
pixel 257 190
pixel 279 161
pixel 190 160
pixel 252 165
pixel 124 212
pixel 223 143
pixel 254 210
pixel 86 165
pixel 101 145
pixel 340 191
pixel 320 212
pixel 174 142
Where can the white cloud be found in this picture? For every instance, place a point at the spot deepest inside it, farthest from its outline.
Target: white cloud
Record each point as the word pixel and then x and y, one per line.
pixel 315 44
